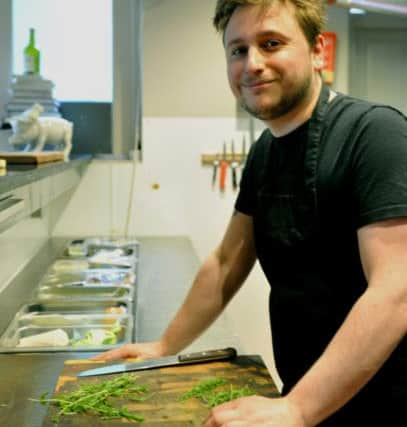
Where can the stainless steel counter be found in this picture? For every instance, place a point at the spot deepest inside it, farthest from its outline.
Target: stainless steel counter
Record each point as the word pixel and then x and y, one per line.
pixel 18 175
pixel 167 268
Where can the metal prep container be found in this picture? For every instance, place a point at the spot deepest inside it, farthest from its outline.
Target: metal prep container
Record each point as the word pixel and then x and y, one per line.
pixel 77 306
pixel 91 276
pixel 104 306
pixel 102 260
pixel 92 245
pixel 59 320
pixel 76 248
pixel 84 291
pixel 112 258
pixel 56 332
pixel 75 251
pixel 96 243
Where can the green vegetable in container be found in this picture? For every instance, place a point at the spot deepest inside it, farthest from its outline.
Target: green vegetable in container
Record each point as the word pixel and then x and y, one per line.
pixel 98 337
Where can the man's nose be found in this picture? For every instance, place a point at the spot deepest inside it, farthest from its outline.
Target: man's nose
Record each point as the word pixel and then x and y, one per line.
pixel 254 60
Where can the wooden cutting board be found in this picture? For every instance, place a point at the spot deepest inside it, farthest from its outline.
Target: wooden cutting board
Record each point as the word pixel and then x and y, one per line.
pixel 163 408
pixel 37 157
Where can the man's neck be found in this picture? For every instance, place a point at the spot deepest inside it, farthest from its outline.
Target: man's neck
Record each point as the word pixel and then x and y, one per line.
pixel 297 116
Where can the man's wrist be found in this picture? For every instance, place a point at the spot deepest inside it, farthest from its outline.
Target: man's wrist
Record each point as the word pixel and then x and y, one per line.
pixel 297 403
pixel 167 348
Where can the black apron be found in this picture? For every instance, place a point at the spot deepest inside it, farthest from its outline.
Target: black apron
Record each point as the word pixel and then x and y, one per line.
pixel 305 311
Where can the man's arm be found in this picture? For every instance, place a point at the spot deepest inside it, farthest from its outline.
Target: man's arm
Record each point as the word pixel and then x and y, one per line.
pixel 218 279
pixel 371 331
pixel 373 328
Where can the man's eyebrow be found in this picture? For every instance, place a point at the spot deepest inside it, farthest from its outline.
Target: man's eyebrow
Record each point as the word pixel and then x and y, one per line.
pixel 262 34
pixel 234 42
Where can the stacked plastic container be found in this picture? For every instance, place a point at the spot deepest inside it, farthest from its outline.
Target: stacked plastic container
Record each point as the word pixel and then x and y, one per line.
pixel 84 302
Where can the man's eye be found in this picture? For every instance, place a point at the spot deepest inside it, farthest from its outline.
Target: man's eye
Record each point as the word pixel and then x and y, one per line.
pixel 237 51
pixel 271 44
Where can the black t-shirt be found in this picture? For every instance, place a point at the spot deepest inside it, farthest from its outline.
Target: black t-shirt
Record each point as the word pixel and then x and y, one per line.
pixel 361 179
pixel 372 165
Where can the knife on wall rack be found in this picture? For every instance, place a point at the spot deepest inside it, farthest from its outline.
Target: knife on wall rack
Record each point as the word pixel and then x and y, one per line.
pixel 234 165
pixel 223 169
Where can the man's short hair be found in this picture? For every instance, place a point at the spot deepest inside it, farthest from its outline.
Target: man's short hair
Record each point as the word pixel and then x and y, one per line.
pixel 310 14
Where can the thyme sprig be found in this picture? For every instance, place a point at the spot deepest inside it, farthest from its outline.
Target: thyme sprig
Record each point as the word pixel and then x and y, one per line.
pixel 214 391
pixel 96 399
pixel 203 389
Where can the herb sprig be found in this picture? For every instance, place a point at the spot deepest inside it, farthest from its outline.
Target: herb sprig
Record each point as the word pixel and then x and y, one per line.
pixel 96 399
pixel 214 391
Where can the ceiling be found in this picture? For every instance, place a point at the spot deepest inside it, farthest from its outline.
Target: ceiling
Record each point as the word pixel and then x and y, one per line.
pixel 398 7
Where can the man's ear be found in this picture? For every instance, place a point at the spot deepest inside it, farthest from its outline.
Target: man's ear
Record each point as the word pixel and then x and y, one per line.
pixel 318 52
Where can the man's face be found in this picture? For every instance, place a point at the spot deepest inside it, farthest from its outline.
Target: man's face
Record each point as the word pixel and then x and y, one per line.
pixel 271 67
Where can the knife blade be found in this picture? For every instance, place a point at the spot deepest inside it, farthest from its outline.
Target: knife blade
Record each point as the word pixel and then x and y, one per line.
pixel 181 359
pixel 215 169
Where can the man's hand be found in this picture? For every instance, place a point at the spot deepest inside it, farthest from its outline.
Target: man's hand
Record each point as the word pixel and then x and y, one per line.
pixel 255 411
pixel 146 350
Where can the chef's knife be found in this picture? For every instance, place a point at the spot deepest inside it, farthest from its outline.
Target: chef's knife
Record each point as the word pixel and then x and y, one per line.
pixel 181 359
pixel 243 157
pixel 215 169
pixel 234 165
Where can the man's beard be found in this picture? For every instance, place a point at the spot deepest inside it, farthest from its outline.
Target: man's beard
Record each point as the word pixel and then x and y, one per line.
pixel 287 102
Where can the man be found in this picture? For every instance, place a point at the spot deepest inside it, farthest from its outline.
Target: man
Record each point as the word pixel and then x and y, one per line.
pixel 323 206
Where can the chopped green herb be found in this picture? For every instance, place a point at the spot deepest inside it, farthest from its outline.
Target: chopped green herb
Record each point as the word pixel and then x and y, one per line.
pixel 213 392
pixel 95 399
pixel 203 388
pixel 220 397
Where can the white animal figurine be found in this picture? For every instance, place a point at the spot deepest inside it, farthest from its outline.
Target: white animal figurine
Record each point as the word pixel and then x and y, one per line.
pixel 29 128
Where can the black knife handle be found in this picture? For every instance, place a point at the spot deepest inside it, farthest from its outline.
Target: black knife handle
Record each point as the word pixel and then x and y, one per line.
pixel 234 176
pixel 206 356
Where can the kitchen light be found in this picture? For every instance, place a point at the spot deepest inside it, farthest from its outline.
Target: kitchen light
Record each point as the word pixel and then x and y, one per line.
pixel 357 11
pixel 375 6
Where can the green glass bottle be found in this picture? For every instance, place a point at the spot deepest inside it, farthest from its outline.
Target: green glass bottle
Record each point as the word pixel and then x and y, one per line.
pixel 31 56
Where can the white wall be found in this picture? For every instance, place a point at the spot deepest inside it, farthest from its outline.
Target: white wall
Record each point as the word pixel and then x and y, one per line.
pixel 184 69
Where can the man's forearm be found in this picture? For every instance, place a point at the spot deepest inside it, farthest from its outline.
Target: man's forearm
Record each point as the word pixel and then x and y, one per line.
pixel 370 333
pixel 220 276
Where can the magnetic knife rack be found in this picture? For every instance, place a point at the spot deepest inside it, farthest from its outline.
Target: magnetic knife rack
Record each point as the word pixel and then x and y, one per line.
pixel 208 159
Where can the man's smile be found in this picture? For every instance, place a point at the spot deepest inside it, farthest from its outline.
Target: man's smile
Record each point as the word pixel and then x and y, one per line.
pixel 257 84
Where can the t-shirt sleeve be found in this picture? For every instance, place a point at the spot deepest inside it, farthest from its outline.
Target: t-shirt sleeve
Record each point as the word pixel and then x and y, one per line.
pixel 379 166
